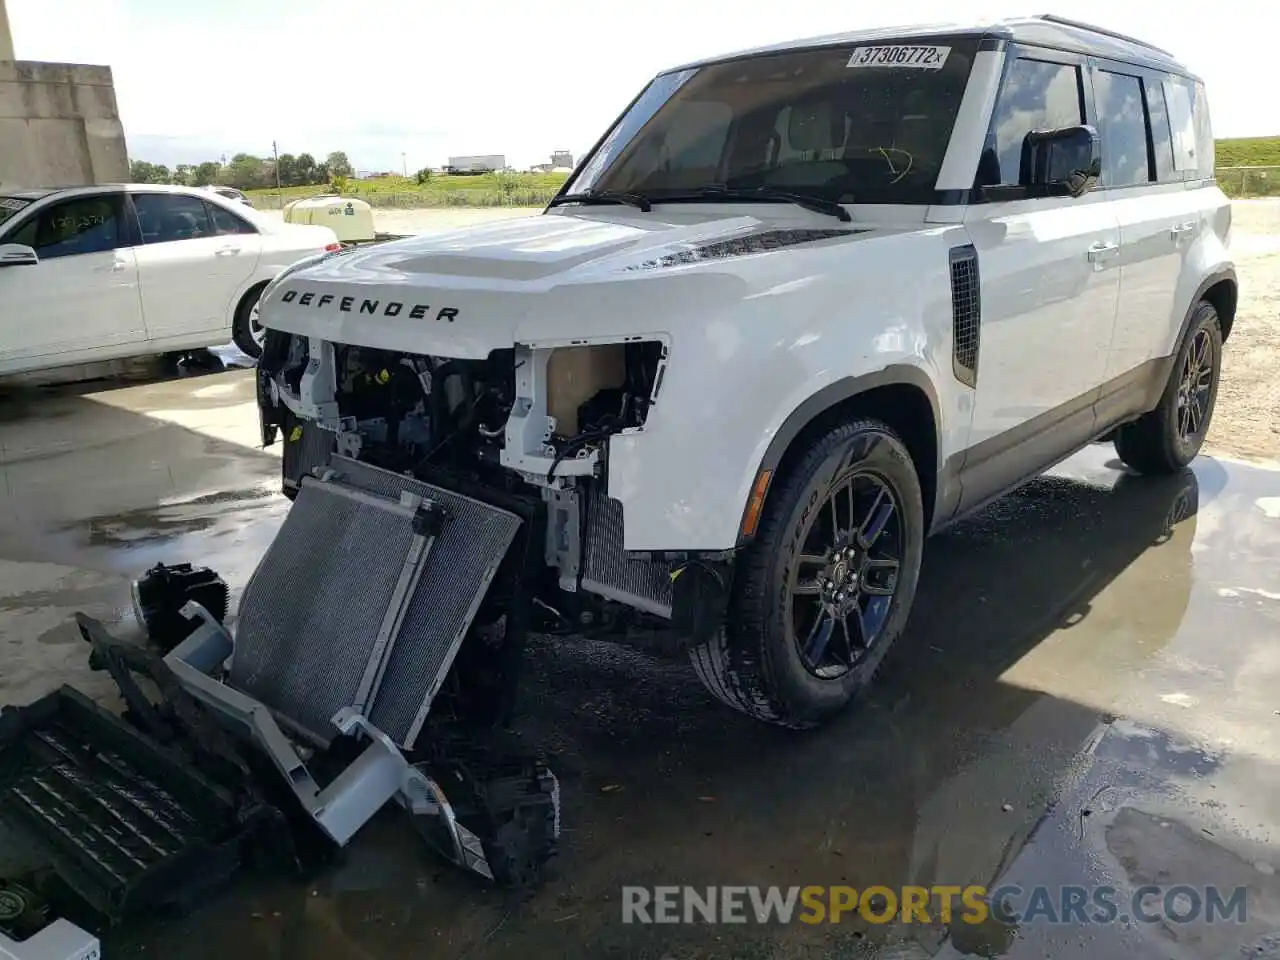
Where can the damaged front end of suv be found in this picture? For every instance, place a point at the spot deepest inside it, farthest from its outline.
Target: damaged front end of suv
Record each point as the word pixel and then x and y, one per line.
pixel 527 422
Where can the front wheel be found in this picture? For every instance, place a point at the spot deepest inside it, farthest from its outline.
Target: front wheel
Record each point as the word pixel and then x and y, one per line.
pixel 1169 437
pixel 247 330
pixel 824 591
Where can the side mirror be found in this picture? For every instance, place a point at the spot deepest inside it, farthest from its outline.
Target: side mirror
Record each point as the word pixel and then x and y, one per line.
pixel 16 255
pixel 1061 163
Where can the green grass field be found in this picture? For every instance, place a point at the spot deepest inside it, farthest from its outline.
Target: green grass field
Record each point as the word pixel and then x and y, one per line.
pixel 1249 152
pixel 487 190
pixel 1243 165
pixel 535 189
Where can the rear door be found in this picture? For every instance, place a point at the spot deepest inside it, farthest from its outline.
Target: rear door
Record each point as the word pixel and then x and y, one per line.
pixel 1159 219
pixel 192 263
pixel 83 295
pixel 1049 286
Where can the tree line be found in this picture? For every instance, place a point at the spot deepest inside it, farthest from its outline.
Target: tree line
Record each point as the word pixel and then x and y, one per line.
pixel 246 172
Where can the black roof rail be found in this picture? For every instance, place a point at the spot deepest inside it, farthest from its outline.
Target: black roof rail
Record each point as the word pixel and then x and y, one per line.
pixel 1065 22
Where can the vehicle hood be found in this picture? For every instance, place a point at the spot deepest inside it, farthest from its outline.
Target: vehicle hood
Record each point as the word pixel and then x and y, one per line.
pixel 467 292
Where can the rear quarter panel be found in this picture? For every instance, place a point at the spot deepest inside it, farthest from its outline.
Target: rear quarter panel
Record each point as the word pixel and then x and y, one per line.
pixel 1208 256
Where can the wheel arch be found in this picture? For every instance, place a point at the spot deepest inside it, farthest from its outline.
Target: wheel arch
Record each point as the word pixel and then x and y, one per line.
pixel 257 287
pixel 902 396
pixel 1221 290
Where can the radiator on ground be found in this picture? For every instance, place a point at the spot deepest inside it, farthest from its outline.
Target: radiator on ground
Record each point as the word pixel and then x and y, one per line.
pixel 351 607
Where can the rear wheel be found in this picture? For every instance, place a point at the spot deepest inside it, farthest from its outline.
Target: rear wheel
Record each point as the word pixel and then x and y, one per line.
pixel 247 331
pixel 824 591
pixel 1169 437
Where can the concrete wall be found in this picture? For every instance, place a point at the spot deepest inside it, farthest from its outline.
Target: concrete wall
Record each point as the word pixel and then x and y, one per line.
pixel 59 126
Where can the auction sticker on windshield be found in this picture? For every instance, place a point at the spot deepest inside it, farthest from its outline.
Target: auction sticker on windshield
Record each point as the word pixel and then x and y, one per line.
pixel 910 57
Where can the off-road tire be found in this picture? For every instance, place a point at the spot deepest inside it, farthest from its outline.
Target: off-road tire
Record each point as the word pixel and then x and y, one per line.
pixel 242 327
pixel 1151 444
pixel 753 664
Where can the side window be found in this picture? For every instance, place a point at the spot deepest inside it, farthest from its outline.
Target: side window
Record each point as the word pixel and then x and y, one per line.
pixel 166 217
pixel 1178 99
pixel 225 222
pixel 1205 153
pixel 1123 127
pixel 82 225
pixel 1037 95
pixel 1161 135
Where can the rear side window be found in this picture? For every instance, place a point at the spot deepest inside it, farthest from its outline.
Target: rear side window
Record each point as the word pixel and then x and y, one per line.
pixel 1037 95
pixel 82 225
pixel 1178 99
pixel 225 222
pixel 1205 153
pixel 1122 125
pixel 168 217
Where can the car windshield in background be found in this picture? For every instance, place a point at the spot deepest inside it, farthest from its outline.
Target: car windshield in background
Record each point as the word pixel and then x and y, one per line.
pixel 10 206
pixel 865 123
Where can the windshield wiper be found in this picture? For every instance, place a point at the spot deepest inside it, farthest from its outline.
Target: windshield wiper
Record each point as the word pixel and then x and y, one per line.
pixel 605 196
pixel 766 194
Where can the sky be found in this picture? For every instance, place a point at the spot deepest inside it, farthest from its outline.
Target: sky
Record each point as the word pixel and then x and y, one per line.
pixel 408 83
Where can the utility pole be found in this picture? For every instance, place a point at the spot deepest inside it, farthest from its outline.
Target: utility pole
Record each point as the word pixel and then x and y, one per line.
pixel 404 163
pixel 275 152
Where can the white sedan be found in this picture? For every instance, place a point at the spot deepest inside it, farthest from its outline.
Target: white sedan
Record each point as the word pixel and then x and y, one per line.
pixel 101 273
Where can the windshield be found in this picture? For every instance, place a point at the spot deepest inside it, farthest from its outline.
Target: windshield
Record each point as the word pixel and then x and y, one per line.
pixel 9 207
pixel 858 123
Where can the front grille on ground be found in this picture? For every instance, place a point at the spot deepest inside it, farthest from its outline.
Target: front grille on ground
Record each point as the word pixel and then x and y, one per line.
pixel 609 572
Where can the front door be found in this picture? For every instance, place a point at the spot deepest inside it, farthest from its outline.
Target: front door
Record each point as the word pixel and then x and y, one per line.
pixel 1050 285
pixel 82 298
pixel 190 272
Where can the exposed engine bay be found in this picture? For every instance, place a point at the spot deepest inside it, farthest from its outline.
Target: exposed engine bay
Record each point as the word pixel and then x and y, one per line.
pixel 527 422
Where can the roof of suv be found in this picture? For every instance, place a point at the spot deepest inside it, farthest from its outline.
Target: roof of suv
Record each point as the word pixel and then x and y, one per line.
pixel 1044 31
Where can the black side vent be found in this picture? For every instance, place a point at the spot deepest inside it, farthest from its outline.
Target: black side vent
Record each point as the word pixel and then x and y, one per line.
pixel 966 314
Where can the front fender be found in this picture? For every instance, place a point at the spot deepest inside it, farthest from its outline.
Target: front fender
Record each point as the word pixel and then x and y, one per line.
pixel 744 379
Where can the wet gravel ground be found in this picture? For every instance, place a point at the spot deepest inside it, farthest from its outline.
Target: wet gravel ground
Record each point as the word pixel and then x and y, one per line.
pixel 1085 695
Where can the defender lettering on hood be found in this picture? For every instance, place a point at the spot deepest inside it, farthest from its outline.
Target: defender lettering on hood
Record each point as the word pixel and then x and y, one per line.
pixel 385 308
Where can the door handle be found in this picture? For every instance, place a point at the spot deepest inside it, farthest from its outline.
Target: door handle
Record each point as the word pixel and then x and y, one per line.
pixel 226 251
pixel 1103 251
pixel 1178 230
pixel 114 268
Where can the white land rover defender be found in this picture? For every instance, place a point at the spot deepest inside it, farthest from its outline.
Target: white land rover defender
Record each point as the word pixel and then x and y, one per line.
pixel 798 308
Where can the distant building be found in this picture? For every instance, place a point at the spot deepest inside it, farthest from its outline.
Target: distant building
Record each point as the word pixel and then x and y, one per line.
pixel 486 163
pixel 561 158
